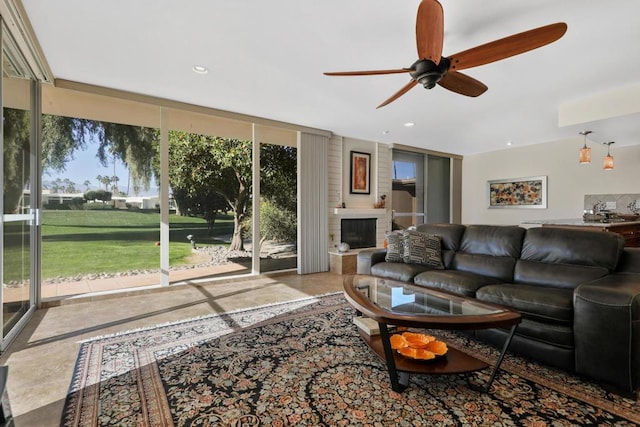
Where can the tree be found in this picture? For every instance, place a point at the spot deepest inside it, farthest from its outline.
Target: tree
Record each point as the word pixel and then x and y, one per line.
pixel 101 195
pixel 16 149
pixel 105 180
pixel 135 146
pixel 206 204
pixel 87 184
pixel 277 223
pixel 203 167
pixel 114 183
pixel 278 177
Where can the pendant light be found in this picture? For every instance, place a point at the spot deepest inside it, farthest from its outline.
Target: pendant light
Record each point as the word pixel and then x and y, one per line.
pixel 607 163
pixel 585 152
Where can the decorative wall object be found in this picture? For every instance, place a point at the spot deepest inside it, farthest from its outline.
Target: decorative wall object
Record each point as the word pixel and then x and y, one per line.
pixel 360 173
pixel 530 193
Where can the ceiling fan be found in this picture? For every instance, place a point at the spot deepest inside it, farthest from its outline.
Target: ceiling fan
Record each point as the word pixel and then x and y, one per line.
pixel 432 68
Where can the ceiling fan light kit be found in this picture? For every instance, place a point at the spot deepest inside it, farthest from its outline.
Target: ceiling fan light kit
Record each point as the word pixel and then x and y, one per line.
pixel 433 69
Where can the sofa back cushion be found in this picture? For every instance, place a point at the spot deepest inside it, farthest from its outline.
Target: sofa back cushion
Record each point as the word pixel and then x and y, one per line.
pixel 450 235
pixel 573 246
pixel 565 257
pixel 489 250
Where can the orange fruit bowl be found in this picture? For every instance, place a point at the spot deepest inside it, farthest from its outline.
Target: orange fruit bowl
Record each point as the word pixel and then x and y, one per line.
pixel 418 346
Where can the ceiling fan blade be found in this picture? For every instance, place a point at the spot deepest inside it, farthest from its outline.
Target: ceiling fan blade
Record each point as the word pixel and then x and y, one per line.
pixel 406 88
pixel 368 73
pixel 430 30
pixel 508 46
pixel 462 84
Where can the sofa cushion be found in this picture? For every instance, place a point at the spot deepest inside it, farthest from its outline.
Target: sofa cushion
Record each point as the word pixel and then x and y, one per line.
pixel 395 248
pixel 550 333
pixel 457 282
pixel 542 350
pixel 422 248
pixel 572 246
pixel 489 250
pixel 493 240
pixel 450 234
pixel 541 303
pixel 398 271
pixel 558 275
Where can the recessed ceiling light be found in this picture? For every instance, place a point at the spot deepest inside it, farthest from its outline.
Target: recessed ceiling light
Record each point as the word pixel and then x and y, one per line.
pixel 199 69
pixel 509 143
pixel 385 132
pixel 409 124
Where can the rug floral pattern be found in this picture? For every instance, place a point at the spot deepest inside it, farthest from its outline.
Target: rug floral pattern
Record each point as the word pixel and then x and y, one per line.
pixel 303 364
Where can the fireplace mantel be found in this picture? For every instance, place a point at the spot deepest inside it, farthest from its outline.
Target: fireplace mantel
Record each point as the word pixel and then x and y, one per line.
pixel 360 213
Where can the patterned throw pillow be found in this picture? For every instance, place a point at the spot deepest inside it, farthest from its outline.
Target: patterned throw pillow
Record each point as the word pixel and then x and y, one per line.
pixel 422 248
pixel 395 248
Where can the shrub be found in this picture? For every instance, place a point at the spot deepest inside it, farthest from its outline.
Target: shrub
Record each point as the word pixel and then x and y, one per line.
pixel 101 195
pixel 97 206
pixel 276 223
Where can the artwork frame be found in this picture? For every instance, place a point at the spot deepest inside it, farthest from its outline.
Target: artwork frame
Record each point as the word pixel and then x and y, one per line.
pixel 519 193
pixel 360 173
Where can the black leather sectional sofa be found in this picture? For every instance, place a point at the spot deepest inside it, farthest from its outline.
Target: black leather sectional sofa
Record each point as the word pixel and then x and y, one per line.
pixel 578 292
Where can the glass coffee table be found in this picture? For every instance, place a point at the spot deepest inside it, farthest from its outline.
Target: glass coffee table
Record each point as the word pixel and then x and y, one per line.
pixel 391 302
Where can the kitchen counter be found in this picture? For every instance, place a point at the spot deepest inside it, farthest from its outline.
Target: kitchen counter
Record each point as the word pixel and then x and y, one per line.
pixel 579 222
pixel 630 230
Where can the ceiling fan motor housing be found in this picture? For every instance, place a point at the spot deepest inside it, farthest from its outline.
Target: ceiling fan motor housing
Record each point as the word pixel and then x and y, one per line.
pixel 428 73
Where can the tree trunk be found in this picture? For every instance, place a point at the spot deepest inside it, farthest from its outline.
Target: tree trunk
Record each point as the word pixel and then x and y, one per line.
pixel 211 221
pixel 236 241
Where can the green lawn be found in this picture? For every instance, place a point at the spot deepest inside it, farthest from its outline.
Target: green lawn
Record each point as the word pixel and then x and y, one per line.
pixel 84 242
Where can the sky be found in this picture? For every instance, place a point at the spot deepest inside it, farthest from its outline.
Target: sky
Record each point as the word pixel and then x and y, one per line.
pixel 86 167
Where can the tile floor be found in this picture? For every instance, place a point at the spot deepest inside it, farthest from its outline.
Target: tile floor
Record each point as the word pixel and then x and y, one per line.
pixel 42 358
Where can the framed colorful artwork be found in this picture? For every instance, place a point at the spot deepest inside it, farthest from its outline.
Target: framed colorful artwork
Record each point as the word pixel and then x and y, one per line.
pixel 360 173
pixel 528 193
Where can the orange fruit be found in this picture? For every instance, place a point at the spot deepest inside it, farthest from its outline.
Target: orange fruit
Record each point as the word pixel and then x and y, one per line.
pixel 437 347
pixel 398 341
pixel 417 340
pixel 417 353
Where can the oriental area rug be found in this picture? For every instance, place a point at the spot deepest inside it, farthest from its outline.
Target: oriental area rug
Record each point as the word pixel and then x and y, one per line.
pixel 303 363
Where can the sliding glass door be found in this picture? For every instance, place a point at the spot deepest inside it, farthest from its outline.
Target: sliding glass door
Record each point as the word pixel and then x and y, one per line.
pixel 421 189
pixel 18 165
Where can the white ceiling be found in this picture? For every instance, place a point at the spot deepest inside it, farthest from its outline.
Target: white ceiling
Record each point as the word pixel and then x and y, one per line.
pixel 266 59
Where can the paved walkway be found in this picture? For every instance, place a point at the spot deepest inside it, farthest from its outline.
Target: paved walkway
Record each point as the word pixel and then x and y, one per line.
pixel 56 290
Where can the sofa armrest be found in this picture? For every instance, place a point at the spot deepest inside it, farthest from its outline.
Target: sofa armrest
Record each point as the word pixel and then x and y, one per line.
pixel 629 261
pixel 368 258
pixel 607 330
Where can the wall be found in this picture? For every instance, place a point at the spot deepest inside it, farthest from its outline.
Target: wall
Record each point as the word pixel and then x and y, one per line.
pixel 338 183
pixel 567 180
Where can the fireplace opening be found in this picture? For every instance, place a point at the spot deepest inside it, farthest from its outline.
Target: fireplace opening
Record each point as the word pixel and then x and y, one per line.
pixel 358 232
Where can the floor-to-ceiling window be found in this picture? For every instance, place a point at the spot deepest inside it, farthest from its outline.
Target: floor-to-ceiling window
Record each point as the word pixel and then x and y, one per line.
pixel 278 207
pixel 18 166
pixel 211 179
pixel 102 217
